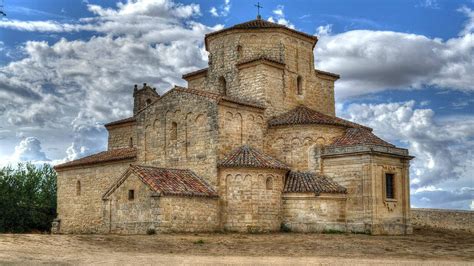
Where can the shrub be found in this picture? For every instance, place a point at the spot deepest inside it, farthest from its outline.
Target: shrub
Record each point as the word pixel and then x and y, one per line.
pixel 285 228
pixel 150 231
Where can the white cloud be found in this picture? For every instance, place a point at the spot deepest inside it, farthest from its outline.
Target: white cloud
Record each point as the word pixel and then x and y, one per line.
pixel 280 17
pixel 444 148
pixel 91 80
pixel 324 30
pixel 373 61
pixel 429 4
pixel 28 149
pixel 221 11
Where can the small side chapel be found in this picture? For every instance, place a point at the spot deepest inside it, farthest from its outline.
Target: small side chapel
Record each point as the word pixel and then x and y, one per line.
pixel 253 144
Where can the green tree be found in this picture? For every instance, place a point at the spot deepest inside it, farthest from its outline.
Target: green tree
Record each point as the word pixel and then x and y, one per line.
pixel 27 198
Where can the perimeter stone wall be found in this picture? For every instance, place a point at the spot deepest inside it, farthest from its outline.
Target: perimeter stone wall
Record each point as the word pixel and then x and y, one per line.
pixel 443 219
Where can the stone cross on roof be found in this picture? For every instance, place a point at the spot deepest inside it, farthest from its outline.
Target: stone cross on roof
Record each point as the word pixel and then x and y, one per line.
pixel 258 10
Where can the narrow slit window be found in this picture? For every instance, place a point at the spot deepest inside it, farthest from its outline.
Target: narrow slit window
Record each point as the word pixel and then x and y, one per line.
pixel 78 188
pixel 223 85
pixel 389 189
pixel 174 131
pixel 130 143
pixel 269 183
pixel 299 85
pixel 131 194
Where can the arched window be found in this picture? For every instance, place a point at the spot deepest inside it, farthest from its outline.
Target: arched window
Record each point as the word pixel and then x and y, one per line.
pixel 174 131
pixel 269 183
pixel 130 142
pixel 78 188
pixel 299 85
pixel 148 102
pixel 240 51
pixel 223 85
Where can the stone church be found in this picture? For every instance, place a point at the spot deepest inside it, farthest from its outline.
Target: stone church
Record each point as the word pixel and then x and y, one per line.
pixel 252 144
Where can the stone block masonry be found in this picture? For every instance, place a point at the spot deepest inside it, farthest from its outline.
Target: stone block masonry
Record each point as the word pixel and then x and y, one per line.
pixel 443 219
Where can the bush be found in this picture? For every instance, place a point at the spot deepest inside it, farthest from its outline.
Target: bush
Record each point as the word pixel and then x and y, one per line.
pixel 285 228
pixel 27 198
pixel 332 231
pixel 150 231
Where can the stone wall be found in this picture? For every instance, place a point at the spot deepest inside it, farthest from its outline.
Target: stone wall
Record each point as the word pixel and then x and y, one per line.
pixel 296 144
pixel 306 212
pixel 443 219
pixel 250 199
pixel 180 132
pixel 238 126
pixel 367 208
pixel 80 207
pixel 277 83
pixel 122 136
pixel 131 216
pixel 189 214
pixel 162 213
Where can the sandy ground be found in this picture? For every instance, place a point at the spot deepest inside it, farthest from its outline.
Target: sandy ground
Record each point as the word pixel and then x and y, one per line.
pixel 425 246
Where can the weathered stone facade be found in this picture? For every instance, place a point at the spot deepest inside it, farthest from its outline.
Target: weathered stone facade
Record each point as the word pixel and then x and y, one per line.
pixel 252 145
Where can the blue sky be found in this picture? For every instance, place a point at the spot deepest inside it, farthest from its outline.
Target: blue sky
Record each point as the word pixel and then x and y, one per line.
pixel 407 70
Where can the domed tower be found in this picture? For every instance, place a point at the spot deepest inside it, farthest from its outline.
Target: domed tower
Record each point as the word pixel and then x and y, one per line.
pixel 266 63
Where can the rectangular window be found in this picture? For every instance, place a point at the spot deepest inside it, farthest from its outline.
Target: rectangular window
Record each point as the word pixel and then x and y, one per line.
pixel 389 189
pixel 131 194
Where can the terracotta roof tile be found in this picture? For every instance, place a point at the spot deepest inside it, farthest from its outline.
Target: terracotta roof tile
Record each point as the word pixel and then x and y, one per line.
pixel 303 115
pixel 173 182
pixel 121 121
pixel 246 156
pixel 260 24
pixel 359 136
pixel 101 157
pixel 311 182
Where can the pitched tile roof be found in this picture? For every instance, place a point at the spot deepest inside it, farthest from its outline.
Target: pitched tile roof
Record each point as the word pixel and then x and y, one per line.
pixel 260 24
pixel 359 136
pixel 303 115
pixel 311 182
pixel 121 121
pixel 101 157
pixel 246 156
pixel 173 182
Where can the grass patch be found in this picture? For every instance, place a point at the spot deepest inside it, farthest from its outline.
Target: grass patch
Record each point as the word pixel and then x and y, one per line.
pixel 199 242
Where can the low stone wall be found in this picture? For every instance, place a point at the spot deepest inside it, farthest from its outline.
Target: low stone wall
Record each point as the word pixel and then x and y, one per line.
pixel 445 219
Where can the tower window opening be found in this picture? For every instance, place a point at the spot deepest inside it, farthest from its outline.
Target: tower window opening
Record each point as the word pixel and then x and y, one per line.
pixel 299 85
pixel 240 51
pixel 148 102
pixel 130 142
pixel 223 85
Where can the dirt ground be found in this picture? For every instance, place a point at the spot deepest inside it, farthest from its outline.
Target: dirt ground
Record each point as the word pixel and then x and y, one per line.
pixel 425 246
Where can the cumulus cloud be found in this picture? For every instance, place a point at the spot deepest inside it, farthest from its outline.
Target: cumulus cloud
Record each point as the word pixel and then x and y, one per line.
pixel 221 11
pixel 57 84
pixel 373 61
pixel 28 149
pixel 279 17
pixel 443 149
